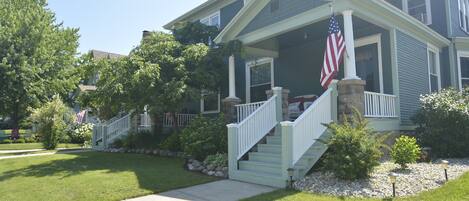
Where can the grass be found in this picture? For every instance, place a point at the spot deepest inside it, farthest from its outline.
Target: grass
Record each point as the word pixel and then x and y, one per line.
pixel 26 146
pixel 92 176
pixel 456 190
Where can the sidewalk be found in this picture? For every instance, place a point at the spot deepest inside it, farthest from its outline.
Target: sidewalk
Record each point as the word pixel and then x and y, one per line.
pixel 225 190
pixel 60 151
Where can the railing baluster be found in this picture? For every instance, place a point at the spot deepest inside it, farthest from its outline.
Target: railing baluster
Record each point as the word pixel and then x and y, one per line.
pixel 380 105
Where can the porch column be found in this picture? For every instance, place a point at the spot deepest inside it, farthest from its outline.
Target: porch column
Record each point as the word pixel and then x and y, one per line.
pixel 350 66
pixel 231 101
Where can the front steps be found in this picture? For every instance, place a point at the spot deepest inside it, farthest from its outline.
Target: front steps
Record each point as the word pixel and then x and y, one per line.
pixel 264 166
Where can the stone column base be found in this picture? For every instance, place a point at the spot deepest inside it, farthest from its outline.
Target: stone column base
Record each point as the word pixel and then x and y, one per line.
pixel 229 108
pixel 351 96
pixel 285 93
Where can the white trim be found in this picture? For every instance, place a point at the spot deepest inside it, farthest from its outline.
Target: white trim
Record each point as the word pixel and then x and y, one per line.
pixel 428 8
pixel 253 63
pixel 369 40
pixel 459 55
pixel 202 102
pixel 209 19
pixel 436 51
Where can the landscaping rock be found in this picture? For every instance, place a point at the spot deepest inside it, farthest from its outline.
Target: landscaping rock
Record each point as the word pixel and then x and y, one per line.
pixel 413 180
pixel 156 152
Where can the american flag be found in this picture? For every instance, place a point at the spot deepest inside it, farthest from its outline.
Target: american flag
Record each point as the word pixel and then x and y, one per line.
pixel 81 116
pixel 334 53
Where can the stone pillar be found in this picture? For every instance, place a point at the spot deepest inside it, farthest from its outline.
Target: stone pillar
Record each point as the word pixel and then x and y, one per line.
pixel 285 93
pixel 351 95
pixel 229 108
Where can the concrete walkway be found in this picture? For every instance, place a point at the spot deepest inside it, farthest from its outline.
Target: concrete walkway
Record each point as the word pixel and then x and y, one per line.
pixel 64 151
pixel 225 190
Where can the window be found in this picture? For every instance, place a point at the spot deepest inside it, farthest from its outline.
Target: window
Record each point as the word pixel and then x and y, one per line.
pixel 369 64
pixel 210 102
pixel 463 71
pixel 434 69
pixel 259 79
pixel 464 15
pixel 212 20
pixel 419 9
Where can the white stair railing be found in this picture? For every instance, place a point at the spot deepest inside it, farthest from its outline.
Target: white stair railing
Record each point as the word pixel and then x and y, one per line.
pixel 105 133
pixel 244 110
pixel 182 120
pixel 307 128
pixel 380 105
pixel 118 127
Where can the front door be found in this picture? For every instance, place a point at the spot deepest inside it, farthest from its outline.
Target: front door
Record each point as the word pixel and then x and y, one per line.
pixel 368 62
pixel 259 79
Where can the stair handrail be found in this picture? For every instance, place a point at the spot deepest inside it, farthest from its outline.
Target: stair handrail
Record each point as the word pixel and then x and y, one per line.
pixel 105 132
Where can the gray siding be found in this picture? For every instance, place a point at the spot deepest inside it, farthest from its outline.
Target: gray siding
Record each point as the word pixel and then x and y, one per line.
pixel 228 12
pixel 445 68
pixel 286 10
pixel 413 74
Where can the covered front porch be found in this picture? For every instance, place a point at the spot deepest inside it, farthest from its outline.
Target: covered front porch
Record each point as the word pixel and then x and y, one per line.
pixel 293 60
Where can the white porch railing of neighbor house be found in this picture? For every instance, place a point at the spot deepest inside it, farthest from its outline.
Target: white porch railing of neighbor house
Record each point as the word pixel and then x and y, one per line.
pixel 380 105
pixel 254 127
pixel 182 120
pixel 307 128
pixel 145 122
pixel 244 110
pixel 105 133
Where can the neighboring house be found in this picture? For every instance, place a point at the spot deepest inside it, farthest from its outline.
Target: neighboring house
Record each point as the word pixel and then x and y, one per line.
pixel 403 49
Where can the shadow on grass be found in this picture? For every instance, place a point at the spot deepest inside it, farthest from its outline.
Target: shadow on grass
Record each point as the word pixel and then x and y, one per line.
pixel 153 173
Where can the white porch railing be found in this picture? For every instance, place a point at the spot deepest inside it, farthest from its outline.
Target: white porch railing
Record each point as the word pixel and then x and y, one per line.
pixel 104 134
pixel 307 128
pixel 182 120
pixel 380 105
pixel 244 110
pixel 145 122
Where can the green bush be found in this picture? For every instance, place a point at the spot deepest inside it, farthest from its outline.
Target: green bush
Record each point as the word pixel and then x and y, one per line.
pixel 205 136
pixel 20 141
pixel 354 149
pixel 53 120
pixel 142 139
pixel 217 160
pixel 405 151
pixel 7 141
pixel 444 123
pixel 82 134
pixel 172 143
pixel 30 140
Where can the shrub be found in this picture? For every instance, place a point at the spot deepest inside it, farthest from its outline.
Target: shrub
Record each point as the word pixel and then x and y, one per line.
pixel 443 123
pixel 81 134
pixel 354 149
pixel 142 139
pixel 217 160
pixel 172 143
pixel 20 141
pixel 7 141
pixel 205 136
pixel 405 151
pixel 53 119
pixel 30 140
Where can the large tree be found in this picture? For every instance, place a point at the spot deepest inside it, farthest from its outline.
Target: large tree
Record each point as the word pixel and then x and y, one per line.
pixel 37 57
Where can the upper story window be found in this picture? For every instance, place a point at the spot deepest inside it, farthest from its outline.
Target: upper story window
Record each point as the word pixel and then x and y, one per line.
pixel 212 20
pixel 420 9
pixel 463 14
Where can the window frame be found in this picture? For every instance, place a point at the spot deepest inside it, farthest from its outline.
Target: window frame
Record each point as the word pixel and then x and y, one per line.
pixel 436 51
pixel 464 20
pixel 202 102
pixel 254 63
pixel 370 40
pixel 460 55
pixel 209 19
pixel 428 8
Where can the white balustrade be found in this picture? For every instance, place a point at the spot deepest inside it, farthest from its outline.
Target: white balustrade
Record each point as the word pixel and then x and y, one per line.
pixel 380 105
pixel 181 119
pixel 307 128
pixel 256 125
pixel 118 127
pixel 244 110
pixel 106 132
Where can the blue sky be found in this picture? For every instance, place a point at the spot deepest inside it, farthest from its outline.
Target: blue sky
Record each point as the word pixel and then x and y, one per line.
pixel 116 25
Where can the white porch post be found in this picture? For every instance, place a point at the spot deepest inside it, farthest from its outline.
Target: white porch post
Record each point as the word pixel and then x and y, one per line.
pixel 350 66
pixel 232 78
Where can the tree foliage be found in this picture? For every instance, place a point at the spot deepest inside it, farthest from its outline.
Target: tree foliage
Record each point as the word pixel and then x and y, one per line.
pixel 36 57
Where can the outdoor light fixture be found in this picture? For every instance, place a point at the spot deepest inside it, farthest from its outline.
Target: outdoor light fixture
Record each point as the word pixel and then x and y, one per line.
pixel 445 164
pixel 393 178
pixel 290 175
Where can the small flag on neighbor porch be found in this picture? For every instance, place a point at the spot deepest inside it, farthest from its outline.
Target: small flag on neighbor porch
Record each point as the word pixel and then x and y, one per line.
pixel 81 116
pixel 333 54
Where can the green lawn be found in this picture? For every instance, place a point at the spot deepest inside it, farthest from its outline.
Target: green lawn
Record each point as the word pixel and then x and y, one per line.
pixel 92 176
pixel 26 146
pixel 457 190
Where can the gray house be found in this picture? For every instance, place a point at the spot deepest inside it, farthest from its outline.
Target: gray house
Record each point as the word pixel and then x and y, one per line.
pixel 402 49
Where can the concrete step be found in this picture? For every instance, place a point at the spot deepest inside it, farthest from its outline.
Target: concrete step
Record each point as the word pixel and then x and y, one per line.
pixel 274 180
pixel 269 148
pixel 260 167
pixel 274 140
pixel 265 157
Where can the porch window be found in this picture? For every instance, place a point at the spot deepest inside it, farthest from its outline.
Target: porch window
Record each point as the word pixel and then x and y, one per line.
pixel 212 20
pixel 419 9
pixel 210 102
pixel 464 68
pixel 259 78
pixel 464 14
pixel 368 58
pixel 434 69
